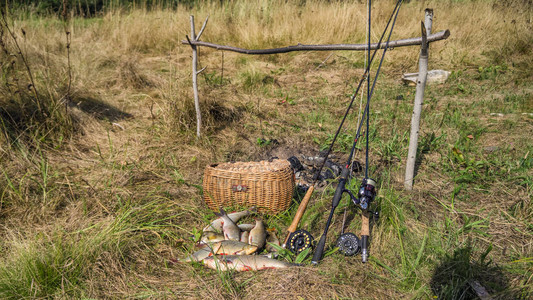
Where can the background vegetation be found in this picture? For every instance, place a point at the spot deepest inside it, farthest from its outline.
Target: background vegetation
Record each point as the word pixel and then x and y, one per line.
pixel 100 182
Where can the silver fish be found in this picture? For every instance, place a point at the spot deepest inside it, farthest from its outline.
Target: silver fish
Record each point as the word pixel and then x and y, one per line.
pixel 244 236
pixel 257 234
pixel 198 255
pixel 246 227
pixel 233 248
pixel 244 263
pixel 216 225
pixel 229 228
pixel 222 248
pixel 271 239
pixel 211 237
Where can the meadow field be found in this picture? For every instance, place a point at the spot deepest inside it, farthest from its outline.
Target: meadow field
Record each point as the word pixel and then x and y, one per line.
pixel 101 169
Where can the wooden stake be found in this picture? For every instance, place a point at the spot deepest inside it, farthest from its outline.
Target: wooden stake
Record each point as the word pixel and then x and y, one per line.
pixel 419 100
pixel 195 79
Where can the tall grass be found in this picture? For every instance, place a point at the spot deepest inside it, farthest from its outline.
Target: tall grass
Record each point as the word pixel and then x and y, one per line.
pixel 34 107
pixel 59 263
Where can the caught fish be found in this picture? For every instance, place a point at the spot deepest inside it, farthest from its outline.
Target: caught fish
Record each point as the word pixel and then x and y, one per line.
pixel 211 237
pixel 216 225
pixel 271 239
pixel 246 227
pixel 244 263
pixel 198 255
pixel 229 228
pixel 221 248
pixel 244 236
pixel 257 234
pixel 233 248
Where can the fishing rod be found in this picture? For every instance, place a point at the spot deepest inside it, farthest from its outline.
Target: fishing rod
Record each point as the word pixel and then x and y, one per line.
pixel 299 240
pixel 367 190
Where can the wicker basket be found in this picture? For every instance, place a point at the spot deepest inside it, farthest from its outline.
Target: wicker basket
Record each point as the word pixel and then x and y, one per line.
pixel 268 186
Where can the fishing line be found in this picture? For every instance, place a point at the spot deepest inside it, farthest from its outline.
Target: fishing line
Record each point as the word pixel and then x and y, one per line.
pixel 367 190
pixel 367 70
pixel 299 213
pixel 368 86
pixel 371 90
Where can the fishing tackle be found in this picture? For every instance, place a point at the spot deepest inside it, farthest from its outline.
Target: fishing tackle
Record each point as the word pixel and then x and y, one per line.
pixel 305 201
pixel 367 190
pixel 299 241
pixel 348 244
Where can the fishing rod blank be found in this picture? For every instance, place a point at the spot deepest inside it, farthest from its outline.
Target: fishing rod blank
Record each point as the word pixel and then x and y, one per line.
pixel 367 190
pixel 301 236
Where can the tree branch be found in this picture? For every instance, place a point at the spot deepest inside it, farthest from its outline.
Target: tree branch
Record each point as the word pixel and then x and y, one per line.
pixel 201 70
pixel 202 29
pixel 300 47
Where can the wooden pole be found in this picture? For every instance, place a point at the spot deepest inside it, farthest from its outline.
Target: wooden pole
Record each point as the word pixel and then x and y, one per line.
pixel 441 35
pixel 192 42
pixel 195 79
pixel 419 100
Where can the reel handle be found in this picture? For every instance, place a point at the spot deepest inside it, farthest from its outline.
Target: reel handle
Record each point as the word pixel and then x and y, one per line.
pixel 299 214
pixel 341 188
pixel 365 233
pixel 319 250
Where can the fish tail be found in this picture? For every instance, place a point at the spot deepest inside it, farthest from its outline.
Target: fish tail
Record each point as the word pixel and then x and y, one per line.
pixel 222 212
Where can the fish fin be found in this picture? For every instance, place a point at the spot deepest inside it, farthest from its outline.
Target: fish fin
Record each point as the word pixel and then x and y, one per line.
pixel 247 268
pixel 222 212
pixel 174 260
pixel 296 265
pixel 201 245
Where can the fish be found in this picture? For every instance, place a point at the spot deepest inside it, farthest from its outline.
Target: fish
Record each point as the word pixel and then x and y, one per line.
pixel 246 227
pixel 244 263
pixel 229 228
pixel 257 234
pixel 199 255
pixel 233 248
pixel 211 237
pixel 221 248
pixel 244 236
pixel 271 239
pixel 216 225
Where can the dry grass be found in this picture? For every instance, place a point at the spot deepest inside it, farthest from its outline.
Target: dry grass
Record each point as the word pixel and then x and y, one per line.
pixel 120 174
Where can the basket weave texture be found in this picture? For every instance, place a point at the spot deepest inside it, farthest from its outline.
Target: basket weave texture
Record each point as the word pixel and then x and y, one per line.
pixel 268 186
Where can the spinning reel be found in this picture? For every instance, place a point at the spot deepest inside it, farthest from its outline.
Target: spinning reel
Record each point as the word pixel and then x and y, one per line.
pixel 367 193
pixel 348 243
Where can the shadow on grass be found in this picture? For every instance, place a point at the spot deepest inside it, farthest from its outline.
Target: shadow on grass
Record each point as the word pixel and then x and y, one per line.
pixel 99 109
pixel 426 144
pixel 458 274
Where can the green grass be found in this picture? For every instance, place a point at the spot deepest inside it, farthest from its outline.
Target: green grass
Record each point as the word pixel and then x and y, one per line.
pixel 90 210
pixel 56 264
